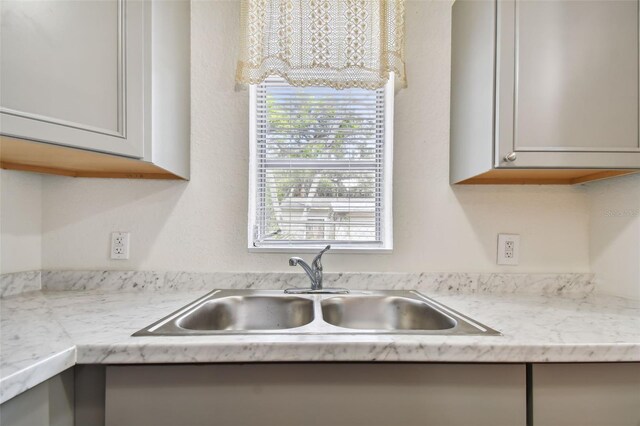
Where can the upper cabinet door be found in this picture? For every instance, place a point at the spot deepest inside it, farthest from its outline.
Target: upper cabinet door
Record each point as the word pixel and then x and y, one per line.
pixel 72 73
pixel 567 83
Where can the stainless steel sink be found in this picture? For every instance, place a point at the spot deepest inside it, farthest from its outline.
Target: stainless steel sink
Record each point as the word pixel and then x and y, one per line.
pixel 224 312
pixel 249 313
pixel 384 313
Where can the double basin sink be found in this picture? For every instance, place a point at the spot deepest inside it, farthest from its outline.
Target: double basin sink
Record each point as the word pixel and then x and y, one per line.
pixel 225 312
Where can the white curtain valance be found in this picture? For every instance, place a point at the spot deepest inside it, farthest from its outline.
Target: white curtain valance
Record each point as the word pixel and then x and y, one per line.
pixel 335 43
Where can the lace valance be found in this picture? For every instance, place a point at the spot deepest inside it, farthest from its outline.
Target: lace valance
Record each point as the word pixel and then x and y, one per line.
pixel 334 43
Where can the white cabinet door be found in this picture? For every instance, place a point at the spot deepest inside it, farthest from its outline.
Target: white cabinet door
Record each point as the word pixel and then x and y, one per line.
pixel 567 77
pixel 72 73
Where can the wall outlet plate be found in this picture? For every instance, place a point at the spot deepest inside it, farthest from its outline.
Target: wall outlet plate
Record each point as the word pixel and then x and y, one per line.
pixel 508 249
pixel 119 245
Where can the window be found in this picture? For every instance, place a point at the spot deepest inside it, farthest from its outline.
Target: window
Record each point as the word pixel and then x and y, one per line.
pixel 320 169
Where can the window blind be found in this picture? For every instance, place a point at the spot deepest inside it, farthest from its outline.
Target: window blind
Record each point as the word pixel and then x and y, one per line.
pixel 319 156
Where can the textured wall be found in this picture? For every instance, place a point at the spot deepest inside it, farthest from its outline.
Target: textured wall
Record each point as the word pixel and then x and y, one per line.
pixel 614 231
pixel 20 221
pixel 201 225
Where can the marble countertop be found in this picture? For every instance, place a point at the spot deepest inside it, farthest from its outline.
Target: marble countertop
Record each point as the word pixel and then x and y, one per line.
pixel 45 332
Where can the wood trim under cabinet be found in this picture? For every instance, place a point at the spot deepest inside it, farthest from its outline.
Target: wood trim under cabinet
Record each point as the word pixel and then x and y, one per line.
pixel 20 154
pixel 542 176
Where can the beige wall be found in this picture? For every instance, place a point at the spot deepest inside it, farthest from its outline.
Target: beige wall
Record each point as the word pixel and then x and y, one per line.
pixel 614 233
pixel 20 221
pixel 201 225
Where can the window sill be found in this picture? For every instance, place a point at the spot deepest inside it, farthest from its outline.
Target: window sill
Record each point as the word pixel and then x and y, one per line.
pixel 302 250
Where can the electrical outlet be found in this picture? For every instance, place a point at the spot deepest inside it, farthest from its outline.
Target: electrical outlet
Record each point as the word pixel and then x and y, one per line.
pixel 119 245
pixel 508 249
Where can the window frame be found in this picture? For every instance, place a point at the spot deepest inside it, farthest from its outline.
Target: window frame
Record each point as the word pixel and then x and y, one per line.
pixel 387 187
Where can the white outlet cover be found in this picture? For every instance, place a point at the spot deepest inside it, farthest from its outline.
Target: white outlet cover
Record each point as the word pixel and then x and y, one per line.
pixel 508 249
pixel 119 245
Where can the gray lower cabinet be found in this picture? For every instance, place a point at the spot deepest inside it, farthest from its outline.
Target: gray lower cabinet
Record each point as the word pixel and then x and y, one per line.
pixel 48 404
pixel 544 91
pixel 586 394
pixel 316 394
pixel 308 394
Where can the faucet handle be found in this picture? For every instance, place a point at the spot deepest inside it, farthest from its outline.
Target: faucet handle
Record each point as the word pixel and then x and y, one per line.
pixel 317 264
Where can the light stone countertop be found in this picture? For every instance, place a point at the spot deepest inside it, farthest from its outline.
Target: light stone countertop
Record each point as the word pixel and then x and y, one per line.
pixel 45 332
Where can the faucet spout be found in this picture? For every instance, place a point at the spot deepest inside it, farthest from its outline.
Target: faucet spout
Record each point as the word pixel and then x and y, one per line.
pixel 296 261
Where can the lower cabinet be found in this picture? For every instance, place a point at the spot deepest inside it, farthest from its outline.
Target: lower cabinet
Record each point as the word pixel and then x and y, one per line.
pixel 335 394
pixel 586 394
pixel 316 394
pixel 50 403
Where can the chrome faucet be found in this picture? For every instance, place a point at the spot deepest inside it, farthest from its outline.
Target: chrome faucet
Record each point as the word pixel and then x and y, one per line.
pixel 314 272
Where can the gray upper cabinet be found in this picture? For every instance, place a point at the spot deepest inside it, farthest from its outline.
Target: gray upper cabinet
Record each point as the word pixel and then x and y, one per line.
pixel 544 92
pixel 72 73
pixel 108 76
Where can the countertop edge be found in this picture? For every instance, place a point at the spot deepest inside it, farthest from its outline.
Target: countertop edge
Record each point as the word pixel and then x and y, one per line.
pixel 37 373
pixel 354 352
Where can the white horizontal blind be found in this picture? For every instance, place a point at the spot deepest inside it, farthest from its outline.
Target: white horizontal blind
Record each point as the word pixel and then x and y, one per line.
pixel 319 158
